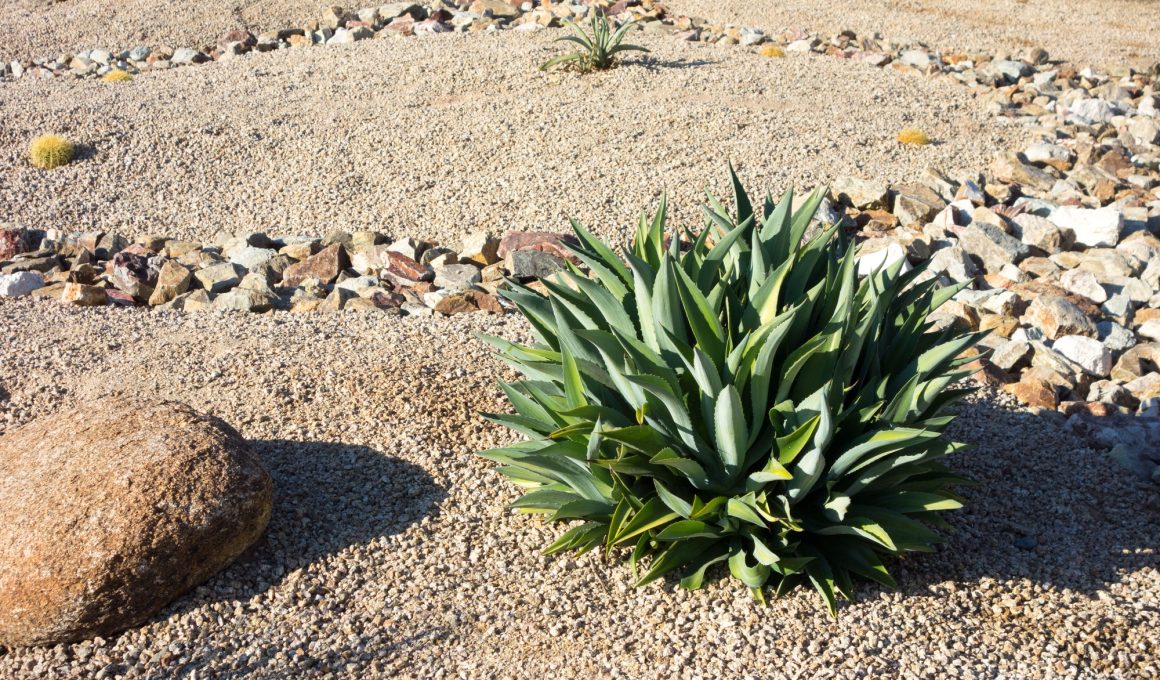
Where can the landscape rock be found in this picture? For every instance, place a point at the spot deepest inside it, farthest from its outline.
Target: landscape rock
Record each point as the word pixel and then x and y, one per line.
pixel 324 265
pixel 992 246
pixel 110 510
pixel 83 295
pixel 1088 353
pixel 219 278
pixel 20 283
pixel 1090 227
pixel 1056 317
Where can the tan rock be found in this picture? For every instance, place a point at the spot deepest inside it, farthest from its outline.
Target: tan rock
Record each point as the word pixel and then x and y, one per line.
pixel 83 295
pixel 110 510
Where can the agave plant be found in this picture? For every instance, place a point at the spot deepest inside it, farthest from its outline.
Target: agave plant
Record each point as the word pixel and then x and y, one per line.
pixel 736 396
pixel 599 49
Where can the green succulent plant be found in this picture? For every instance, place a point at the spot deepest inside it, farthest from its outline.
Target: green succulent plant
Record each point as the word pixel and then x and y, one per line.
pixel 599 49
pixel 737 396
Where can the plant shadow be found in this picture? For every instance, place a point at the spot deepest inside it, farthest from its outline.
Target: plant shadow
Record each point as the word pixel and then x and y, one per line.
pixel 327 497
pixel 655 65
pixel 1044 507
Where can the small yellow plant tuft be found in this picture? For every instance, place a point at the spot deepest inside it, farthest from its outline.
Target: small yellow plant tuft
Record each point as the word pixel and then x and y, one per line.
pixel 772 51
pixel 913 136
pixel 51 151
pixel 117 76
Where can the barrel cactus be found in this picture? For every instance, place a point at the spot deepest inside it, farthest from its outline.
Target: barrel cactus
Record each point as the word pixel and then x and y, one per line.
pixel 51 151
pixel 738 396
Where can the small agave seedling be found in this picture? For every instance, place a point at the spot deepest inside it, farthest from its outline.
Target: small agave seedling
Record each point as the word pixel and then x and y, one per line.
pixel 745 400
pixel 599 50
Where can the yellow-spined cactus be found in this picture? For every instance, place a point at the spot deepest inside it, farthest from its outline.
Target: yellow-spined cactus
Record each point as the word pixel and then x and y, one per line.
pixel 772 51
pixel 913 136
pixel 51 151
pixel 117 76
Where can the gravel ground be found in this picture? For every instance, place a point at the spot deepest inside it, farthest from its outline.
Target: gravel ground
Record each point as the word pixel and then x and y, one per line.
pixel 390 553
pixel 1109 32
pixel 438 137
pixel 44 28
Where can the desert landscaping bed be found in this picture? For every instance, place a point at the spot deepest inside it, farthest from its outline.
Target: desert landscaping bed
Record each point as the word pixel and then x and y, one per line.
pixel 391 551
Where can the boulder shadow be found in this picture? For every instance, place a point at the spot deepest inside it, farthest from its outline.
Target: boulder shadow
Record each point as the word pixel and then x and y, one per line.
pixel 1043 507
pixel 327 497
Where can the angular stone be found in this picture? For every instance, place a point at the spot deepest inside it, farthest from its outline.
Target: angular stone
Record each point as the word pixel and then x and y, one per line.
pixel 324 265
pixel 456 303
pixel 245 300
pixel 860 193
pixel 916 205
pixel 220 277
pixel 480 248
pixel 1090 227
pixel 881 258
pixel 1057 316
pixel 495 8
pixel 111 510
pixel 544 241
pixel 1034 390
pixel 1042 153
pixel 1149 329
pixel 1038 232
pixel 954 263
pixel 405 271
pixel 1115 337
pixel 134 274
pixel 532 264
pixel 1111 392
pixel 410 247
pixel 1083 282
pixel 1135 362
pixel 1088 353
pixel 83 295
pixel 173 280
pixel 992 246
pixel 1011 355
pixel 13 242
pixel 1009 168
pixel 20 283
pixel 457 277
pixel 251 257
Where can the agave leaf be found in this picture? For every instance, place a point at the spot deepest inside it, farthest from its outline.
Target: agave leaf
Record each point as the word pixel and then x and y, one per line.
pixel 696 577
pixel 752 576
pixel 730 431
pixel 672 501
pixel 677 555
pixel 562 59
pixel 583 537
pixel 653 514
pixel 688 528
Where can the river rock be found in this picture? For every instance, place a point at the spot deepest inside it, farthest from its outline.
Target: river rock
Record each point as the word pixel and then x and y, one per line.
pixel 111 510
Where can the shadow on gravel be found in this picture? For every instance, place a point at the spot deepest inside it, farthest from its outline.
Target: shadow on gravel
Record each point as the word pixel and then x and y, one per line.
pixel 654 64
pixel 327 497
pixel 1046 508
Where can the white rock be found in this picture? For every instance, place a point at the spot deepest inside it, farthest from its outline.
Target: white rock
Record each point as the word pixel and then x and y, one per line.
pixel 20 283
pixel 1089 353
pixel 954 262
pixel 1090 227
pixel 1082 282
pixel 882 259
pixel 1114 336
pixel 1150 329
pixel 1088 111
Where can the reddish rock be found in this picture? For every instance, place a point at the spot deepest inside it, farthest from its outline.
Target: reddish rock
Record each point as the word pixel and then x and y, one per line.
pixel 12 243
pixel 325 265
pixel 408 270
pixel 110 510
pixel 1034 391
pixel 119 298
pixel 133 273
pixel 460 303
pixel 238 36
pixel 485 302
pixel 544 241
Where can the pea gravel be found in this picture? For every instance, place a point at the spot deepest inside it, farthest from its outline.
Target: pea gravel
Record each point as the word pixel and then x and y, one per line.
pixel 441 136
pixel 391 554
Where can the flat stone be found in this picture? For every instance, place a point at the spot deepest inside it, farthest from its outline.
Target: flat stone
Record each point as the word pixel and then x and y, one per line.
pixel 406 271
pixel 992 246
pixel 544 241
pixel 251 257
pixel 245 300
pixel 1054 155
pixel 457 277
pixel 1009 168
pixel 220 277
pixel 860 193
pixel 110 510
pixel 532 264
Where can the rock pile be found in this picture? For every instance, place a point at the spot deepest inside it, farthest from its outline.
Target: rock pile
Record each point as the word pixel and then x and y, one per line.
pixel 363 271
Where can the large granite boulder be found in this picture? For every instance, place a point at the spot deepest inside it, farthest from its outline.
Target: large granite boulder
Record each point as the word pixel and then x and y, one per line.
pixel 111 510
